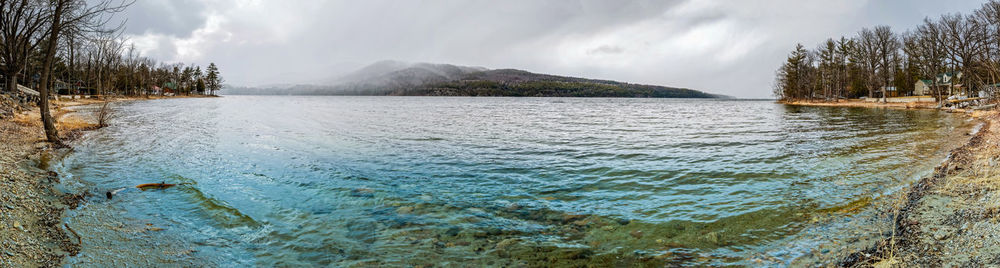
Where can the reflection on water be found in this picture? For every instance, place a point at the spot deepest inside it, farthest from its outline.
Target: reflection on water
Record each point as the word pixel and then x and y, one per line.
pixel 488 181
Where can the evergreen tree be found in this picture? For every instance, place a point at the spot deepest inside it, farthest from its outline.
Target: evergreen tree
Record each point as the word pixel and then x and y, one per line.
pixel 213 79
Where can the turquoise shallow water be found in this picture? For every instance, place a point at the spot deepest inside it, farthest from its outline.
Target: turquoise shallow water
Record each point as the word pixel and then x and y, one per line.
pixel 404 181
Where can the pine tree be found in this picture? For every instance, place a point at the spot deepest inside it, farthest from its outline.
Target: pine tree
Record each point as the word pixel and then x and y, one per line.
pixel 213 79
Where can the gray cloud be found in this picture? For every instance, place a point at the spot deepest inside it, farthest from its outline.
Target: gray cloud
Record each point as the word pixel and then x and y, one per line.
pixel 727 47
pixel 606 49
pixel 173 17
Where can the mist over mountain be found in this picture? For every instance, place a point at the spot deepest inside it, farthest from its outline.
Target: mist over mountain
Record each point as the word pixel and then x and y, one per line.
pixel 397 78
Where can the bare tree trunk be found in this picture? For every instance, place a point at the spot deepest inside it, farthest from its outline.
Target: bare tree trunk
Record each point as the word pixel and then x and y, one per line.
pixel 51 133
pixel 12 84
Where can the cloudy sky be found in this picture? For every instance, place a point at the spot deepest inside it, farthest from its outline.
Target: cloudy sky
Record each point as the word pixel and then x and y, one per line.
pixel 721 46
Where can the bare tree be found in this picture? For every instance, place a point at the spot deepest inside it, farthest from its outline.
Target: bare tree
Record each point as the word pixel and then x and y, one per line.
pixel 867 53
pixel 22 26
pixel 989 17
pixel 65 14
pixel 888 52
pixel 963 40
pixel 925 47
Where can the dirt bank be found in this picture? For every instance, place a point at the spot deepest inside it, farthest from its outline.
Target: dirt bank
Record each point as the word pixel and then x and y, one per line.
pixel 951 218
pixel 32 233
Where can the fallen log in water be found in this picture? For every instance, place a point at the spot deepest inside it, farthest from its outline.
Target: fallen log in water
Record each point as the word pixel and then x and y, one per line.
pixel 161 185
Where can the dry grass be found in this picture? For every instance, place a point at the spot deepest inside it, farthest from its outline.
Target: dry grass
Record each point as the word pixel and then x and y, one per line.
pixel 887 263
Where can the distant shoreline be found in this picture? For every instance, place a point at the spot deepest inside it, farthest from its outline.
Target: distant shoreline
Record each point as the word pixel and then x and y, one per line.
pixel 719 97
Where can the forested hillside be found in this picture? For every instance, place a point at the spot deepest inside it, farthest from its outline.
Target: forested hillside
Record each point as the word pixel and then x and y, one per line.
pixel 425 79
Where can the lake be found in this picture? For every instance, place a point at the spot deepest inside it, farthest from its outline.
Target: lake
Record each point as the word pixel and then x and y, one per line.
pixel 403 181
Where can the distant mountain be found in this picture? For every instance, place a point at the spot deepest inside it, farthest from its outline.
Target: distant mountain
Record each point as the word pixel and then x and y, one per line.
pixel 428 79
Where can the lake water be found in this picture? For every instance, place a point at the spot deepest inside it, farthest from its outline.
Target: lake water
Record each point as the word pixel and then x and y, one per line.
pixel 401 181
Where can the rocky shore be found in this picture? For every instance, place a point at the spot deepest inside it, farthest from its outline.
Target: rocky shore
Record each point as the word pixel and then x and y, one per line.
pixel 32 233
pixel 951 218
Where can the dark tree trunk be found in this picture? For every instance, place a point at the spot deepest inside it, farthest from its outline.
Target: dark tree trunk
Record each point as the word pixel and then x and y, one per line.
pixel 51 133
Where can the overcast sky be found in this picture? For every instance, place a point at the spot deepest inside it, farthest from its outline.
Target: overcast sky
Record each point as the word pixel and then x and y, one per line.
pixel 721 46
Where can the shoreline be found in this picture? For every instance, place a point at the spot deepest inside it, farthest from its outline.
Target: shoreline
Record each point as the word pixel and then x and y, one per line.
pixel 861 104
pixel 32 230
pixel 938 219
pixel 950 218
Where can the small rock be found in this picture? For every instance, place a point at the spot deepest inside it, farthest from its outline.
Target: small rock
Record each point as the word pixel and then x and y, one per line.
pixel 404 210
pixel 940 235
pixel 637 234
pixel 571 217
pixel 507 243
pixel 712 237
pixel 17 225
pixel 476 210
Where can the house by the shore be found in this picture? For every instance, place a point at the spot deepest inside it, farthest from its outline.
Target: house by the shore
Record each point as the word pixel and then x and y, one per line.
pixel 923 87
pixel 946 83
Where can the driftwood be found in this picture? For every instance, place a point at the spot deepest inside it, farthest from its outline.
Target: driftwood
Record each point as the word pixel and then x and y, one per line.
pixel 79 239
pixel 161 185
pixel 110 194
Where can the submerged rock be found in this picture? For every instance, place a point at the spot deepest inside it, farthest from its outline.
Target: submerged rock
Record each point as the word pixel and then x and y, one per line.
pixel 637 234
pixel 404 210
pixel 507 243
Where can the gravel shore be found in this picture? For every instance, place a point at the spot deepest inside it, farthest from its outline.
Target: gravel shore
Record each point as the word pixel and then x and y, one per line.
pixel 950 219
pixel 31 232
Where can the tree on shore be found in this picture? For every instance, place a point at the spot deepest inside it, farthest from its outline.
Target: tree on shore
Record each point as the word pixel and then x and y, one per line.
pixel 213 79
pixel 21 26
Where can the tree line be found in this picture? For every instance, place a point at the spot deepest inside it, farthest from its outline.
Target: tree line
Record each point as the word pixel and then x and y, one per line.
pixel 70 47
pixel 877 60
